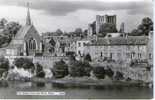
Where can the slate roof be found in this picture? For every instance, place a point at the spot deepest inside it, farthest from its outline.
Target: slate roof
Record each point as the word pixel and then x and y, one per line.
pixel 130 40
pixel 23 31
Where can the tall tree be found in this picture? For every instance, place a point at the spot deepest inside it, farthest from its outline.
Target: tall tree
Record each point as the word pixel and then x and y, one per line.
pixel 144 28
pixel 3 22
pixel 78 31
pixel 59 32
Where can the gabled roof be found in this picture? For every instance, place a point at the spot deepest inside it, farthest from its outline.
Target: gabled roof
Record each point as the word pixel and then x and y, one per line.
pixel 23 31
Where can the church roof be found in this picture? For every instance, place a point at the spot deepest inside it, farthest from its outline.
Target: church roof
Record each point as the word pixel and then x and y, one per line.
pixel 23 31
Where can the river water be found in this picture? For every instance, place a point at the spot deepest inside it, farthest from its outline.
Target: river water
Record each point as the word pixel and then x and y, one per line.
pixel 75 92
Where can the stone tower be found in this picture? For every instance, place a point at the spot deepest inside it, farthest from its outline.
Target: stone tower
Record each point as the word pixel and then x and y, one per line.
pixel 104 19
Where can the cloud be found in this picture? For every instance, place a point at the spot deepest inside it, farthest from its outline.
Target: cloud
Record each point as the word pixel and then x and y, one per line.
pixel 62 8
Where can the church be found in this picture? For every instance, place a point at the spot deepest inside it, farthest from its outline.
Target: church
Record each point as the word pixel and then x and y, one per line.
pixel 27 41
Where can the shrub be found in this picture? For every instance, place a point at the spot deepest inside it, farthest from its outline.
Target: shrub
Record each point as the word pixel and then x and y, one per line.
pixel 39 71
pixel 24 63
pixel 60 69
pixel 4 63
pixel 109 72
pixel 99 72
pixel 118 76
pixel 79 69
pixel 88 57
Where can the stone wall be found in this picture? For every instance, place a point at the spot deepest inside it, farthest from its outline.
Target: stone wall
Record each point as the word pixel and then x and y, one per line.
pixel 45 61
pixel 48 61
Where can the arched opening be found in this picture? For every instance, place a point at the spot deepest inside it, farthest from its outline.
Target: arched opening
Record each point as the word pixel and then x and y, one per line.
pixel 32 44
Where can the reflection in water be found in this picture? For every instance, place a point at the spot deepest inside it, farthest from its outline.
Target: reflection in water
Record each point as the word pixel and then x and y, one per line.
pixel 4 83
pixel 74 91
pixel 72 86
pixel 40 84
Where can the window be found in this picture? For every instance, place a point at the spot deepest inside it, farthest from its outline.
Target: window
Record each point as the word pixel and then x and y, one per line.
pixel 34 44
pixel 139 55
pixel 132 55
pixel 110 55
pixel 79 44
pixel 101 54
pixel 150 56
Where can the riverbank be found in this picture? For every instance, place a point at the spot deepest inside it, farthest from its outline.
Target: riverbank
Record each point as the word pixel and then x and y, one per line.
pixel 84 81
pixel 87 81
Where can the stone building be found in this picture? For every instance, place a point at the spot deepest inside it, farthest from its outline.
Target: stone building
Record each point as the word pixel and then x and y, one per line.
pixel 94 28
pixel 150 48
pixel 27 41
pixel 119 48
pixel 80 46
pixel 104 19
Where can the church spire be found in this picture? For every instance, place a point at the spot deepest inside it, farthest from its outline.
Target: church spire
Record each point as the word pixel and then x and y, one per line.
pixel 28 18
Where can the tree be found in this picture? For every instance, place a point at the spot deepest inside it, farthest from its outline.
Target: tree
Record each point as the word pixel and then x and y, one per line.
pixel 87 58
pixel 109 72
pixel 144 28
pixel 11 29
pixel 78 31
pixel 59 32
pixel 4 65
pixel 79 69
pixel 107 28
pixel 134 32
pixel 99 72
pixel 39 71
pixel 25 63
pixel 60 69
pixel 3 22
pixel 52 42
pixel 118 76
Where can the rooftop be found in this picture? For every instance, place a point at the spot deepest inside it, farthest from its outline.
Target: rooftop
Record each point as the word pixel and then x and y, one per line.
pixel 130 40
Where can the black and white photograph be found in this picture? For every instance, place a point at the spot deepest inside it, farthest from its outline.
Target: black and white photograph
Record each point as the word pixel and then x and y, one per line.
pixel 76 49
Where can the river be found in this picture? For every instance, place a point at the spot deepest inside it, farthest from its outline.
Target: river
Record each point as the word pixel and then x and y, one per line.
pixel 72 92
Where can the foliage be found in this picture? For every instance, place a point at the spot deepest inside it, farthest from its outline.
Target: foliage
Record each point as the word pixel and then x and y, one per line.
pixel 107 28
pixel 99 72
pixel 4 63
pixel 88 57
pixel 109 72
pixel 78 31
pixel 59 32
pixel 39 71
pixel 25 63
pixel 144 28
pixel 79 69
pixel 118 76
pixel 52 42
pixel 9 30
pixel 3 22
pixel 60 69
pixel 52 45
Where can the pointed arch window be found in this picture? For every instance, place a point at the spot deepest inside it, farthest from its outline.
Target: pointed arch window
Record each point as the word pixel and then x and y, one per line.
pixel 32 44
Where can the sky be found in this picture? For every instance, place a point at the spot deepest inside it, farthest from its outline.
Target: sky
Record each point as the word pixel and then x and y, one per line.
pixel 50 15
